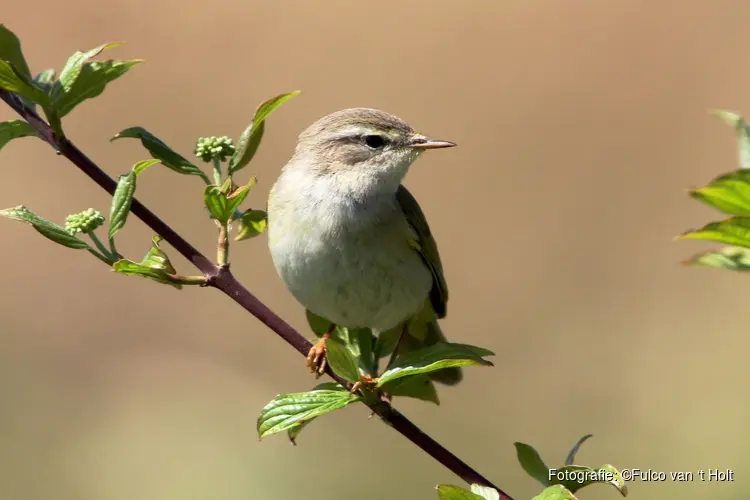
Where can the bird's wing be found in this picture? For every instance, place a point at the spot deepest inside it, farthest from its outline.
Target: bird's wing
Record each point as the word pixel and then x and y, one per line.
pixel 424 243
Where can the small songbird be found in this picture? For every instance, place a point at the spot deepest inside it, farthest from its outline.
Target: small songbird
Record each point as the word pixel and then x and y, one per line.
pixel 349 241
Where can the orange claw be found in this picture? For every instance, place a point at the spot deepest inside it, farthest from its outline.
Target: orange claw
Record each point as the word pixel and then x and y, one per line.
pixel 316 358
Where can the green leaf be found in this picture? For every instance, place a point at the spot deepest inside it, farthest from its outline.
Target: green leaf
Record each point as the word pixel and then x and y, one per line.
pixel 532 463
pixel 82 79
pixel 251 224
pixel 555 493
pixel 156 258
pixel 155 266
pixel 130 268
pixel 574 451
pixel 142 165
pixel 14 129
pixel 318 324
pixel 216 203
pixel 74 65
pixel 729 193
pixel 48 229
pixel 485 492
pixel 341 360
pixel 575 477
pixel 161 151
pixel 731 258
pixel 14 81
pixel 121 201
pixel 359 342
pixel 432 358
pixel 386 342
pixel 294 432
pixel 418 387
pixel 452 492
pixel 10 50
pixel 287 411
pixel 249 141
pixel 743 135
pixel 237 197
pixel 733 231
pixel 46 80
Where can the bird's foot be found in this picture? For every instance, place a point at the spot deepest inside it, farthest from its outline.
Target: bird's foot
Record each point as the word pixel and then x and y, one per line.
pixel 316 358
pixel 365 381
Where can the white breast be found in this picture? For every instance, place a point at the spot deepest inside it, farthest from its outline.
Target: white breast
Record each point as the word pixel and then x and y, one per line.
pixel 348 261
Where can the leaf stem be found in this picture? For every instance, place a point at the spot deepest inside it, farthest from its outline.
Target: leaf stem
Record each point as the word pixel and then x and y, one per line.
pixel 222 279
pixel 189 280
pixel 113 249
pixel 101 257
pixel 222 251
pixel 101 247
pixel 217 170
pixel 205 178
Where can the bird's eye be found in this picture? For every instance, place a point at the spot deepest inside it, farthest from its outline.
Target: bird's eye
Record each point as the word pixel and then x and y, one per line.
pixel 374 141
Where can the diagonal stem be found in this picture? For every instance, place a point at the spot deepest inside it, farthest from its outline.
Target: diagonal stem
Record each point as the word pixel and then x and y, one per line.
pixel 221 278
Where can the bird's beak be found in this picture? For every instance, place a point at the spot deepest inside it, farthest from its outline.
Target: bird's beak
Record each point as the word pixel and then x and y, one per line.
pixel 422 142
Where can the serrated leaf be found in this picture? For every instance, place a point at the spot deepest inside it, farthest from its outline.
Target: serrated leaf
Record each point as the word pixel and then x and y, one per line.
pixel 48 229
pixel 14 129
pixel 142 165
pixel 485 492
pixel 121 201
pixel 82 79
pixel 733 231
pixel 575 477
pixel 341 360
pixel 453 492
pixel 731 258
pixel 294 432
pixel 14 81
pixel 250 224
pixel 729 193
pixel 432 358
pixel 532 463
pixel 10 50
pixel 418 387
pixel 159 150
pixel 743 135
pixel 249 141
pixel 555 493
pixel 574 451
pixel 216 202
pixel 287 411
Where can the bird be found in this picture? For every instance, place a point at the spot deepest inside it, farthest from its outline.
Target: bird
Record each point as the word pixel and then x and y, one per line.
pixel 350 242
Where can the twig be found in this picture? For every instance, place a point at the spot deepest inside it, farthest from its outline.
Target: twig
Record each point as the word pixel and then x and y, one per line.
pixel 220 277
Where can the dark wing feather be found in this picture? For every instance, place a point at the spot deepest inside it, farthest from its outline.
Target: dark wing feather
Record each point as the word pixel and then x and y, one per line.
pixel 427 249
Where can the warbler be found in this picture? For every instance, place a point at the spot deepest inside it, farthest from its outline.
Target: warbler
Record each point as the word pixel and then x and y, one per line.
pixel 348 239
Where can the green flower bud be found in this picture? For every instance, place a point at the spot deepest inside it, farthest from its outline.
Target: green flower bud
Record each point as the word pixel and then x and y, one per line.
pixel 83 222
pixel 208 148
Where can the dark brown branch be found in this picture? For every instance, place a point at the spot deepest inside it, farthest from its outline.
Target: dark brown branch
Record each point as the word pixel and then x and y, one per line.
pixel 221 278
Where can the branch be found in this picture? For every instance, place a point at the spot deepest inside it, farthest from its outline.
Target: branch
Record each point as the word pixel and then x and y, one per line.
pixel 221 278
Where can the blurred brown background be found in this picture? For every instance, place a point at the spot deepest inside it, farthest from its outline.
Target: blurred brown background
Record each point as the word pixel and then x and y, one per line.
pixel 580 124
